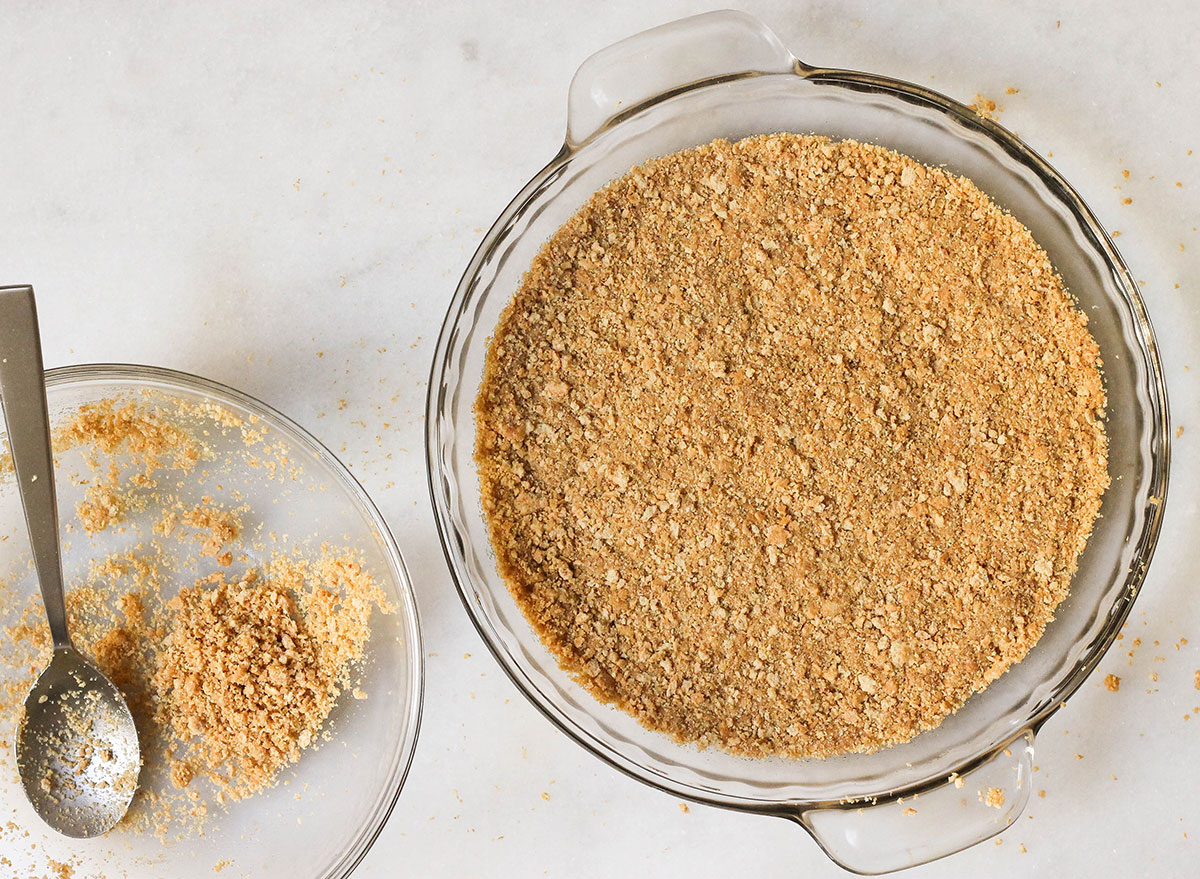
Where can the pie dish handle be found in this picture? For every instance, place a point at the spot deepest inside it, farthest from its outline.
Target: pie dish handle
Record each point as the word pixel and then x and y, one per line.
pixel 870 839
pixel 665 60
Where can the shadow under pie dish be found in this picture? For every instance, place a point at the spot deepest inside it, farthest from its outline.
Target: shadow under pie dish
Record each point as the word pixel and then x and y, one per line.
pixel 725 76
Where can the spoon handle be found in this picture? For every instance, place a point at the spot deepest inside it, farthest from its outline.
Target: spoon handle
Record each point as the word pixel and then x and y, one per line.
pixel 23 399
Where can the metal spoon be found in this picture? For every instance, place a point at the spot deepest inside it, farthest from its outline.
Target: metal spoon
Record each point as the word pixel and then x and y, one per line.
pixel 77 746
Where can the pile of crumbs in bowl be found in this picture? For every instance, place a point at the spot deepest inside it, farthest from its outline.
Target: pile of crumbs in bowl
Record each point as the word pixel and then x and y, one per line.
pixel 231 646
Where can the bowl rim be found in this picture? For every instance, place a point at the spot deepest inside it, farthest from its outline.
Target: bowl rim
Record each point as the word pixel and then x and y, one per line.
pixel 360 843
pixel 1146 346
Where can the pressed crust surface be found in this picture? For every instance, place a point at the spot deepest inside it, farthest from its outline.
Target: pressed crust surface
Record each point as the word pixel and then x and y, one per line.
pixel 789 446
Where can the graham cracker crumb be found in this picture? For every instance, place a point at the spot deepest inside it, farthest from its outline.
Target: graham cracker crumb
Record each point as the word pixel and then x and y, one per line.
pixel 216 526
pixel 986 107
pixel 146 437
pixel 993 797
pixel 250 669
pixel 102 507
pixel 167 524
pixel 120 617
pixel 108 428
pixel 1112 683
pixel 788 446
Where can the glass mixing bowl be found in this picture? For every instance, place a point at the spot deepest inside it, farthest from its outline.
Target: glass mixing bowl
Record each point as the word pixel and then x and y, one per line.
pixel 327 809
pixel 726 75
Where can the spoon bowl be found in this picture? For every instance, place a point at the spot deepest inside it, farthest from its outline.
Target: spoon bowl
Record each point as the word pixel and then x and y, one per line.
pixel 77 748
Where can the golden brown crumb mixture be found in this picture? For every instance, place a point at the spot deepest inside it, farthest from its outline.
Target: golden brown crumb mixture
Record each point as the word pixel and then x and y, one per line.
pixel 108 428
pixel 193 669
pixel 992 797
pixel 250 669
pixel 789 446
pixel 1112 683
pixel 190 668
pixel 112 428
pixel 985 107
pixel 214 527
pixel 101 507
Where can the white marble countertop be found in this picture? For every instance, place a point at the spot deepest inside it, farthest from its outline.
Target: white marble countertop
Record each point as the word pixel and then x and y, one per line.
pixel 283 197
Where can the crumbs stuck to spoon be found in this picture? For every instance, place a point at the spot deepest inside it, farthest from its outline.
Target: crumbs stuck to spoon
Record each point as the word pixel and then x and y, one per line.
pixel 77 748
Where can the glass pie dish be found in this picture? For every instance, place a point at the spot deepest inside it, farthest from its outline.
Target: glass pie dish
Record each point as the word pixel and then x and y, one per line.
pixel 324 812
pixel 726 75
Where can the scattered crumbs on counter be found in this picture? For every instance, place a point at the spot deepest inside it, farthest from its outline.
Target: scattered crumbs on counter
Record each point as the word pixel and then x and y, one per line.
pixel 986 107
pixel 1112 683
pixel 1137 642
